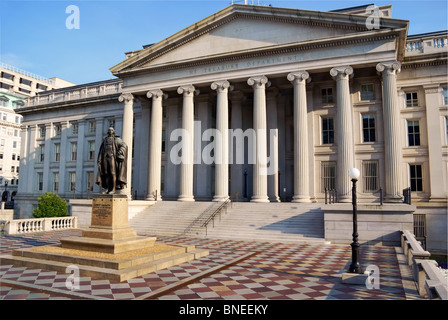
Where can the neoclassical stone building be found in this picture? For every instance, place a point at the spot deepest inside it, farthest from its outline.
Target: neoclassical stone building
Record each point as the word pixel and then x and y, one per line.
pixel 297 98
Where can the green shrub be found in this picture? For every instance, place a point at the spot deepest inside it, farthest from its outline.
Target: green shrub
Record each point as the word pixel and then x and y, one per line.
pixel 50 205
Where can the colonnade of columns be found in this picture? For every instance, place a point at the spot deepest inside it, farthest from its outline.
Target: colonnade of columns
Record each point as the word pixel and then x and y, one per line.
pixel 344 125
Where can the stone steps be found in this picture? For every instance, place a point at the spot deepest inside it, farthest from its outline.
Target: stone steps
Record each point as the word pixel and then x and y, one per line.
pixel 98 268
pixel 281 222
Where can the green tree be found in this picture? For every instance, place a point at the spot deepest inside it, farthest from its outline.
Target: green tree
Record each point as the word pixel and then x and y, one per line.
pixel 50 205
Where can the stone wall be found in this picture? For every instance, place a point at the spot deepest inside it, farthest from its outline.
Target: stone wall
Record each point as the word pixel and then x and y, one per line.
pixel 377 224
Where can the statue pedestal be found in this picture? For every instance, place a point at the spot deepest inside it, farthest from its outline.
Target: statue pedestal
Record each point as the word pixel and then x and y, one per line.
pixel 109 231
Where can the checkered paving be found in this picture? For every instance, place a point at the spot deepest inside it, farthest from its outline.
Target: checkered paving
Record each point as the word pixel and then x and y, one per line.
pixel 274 271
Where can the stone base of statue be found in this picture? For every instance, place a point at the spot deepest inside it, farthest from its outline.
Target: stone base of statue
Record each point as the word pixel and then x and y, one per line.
pixel 109 249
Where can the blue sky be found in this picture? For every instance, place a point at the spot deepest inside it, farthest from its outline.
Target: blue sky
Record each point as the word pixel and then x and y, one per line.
pixel 34 36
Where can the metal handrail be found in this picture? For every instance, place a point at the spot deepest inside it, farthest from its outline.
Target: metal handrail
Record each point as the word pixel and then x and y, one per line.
pixel 218 211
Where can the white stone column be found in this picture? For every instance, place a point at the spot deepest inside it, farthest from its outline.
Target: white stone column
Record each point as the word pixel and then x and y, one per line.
pixel 222 140
pixel 127 135
pixel 392 138
pixel 301 165
pixel 344 126
pixel 155 146
pixel 260 179
pixel 186 166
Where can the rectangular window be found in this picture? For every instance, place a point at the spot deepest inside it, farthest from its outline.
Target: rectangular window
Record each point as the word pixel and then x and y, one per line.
pixel 416 177
pixel 90 181
pixel 370 175
pixel 57 152
pixel 42 132
pixel 368 128
pixel 445 96
pixel 91 150
pixel 411 99
pixel 367 92
pixel 55 181
pixel 446 128
pixel 163 140
pixel 413 133
pixel 327 131
pixel 327 95
pixel 74 148
pixel 92 126
pixel 72 181
pixel 420 226
pixel 40 181
pixel 74 127
pixel 328 175
pixel 57 130
pixel 41 153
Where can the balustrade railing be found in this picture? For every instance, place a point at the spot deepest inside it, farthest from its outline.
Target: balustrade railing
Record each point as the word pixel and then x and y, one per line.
pixel 430 282
pixel 75 93
pixel 426 44
pixel 21 226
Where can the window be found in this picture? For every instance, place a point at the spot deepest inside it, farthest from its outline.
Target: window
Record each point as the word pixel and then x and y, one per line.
pixel 368 128
pixel 74 148
pixel 420 226
pixel 91 150
pixel 1 155
pixel 445 96
pixel 327 95
pixel 163 140
pixel 446 127
pixel 416 177
pixel 40 181
pixel 72 181
pixel 42 132
pixel 55 181
pixel 370 175
pixel 57 152
pixel 111 123
pixel 14 144
pixel 13 156
pixel 411 99
pixel 90 181
pixel 57 129
pixel 41 152
pixel 74 127
pixel 92 126
pixel 413 133
pixel 367 92
pixel 328 175
pixel 327 131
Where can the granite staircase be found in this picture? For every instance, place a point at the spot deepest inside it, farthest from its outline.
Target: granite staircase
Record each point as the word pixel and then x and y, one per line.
pixel 273 222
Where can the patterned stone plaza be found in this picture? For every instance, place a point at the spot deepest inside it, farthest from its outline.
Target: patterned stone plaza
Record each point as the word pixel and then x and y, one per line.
pixel 234 270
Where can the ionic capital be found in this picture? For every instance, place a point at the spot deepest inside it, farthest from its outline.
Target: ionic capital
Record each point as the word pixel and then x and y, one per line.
pixel 258 82
pixel 299 76
pixel 341 71
pixel 126 97
pixel 390 67
pixel 187 90
pixel 221 86
pixel 156 94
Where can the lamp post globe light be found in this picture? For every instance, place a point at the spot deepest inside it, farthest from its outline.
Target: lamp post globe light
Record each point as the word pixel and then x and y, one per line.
pixel 354 266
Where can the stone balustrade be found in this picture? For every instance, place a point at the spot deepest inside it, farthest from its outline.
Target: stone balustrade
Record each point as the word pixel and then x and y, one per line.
pixel 75 93
pixel 426 45
pixel 429 280
pixel 21 226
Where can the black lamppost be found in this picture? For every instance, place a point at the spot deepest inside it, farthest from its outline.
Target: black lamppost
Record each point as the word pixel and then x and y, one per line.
pixel 355 267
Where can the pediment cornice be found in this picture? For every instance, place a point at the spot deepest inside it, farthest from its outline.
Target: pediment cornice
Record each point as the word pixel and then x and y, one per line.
pixel 356 23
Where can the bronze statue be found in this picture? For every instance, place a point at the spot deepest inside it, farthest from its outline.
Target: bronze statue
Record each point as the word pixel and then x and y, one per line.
pixel 112 163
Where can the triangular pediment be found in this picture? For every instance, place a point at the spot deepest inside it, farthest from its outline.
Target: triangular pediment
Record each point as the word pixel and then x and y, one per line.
pixel 240 29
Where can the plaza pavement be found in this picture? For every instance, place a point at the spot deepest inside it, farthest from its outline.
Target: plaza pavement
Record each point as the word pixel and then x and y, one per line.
pixel 234 270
